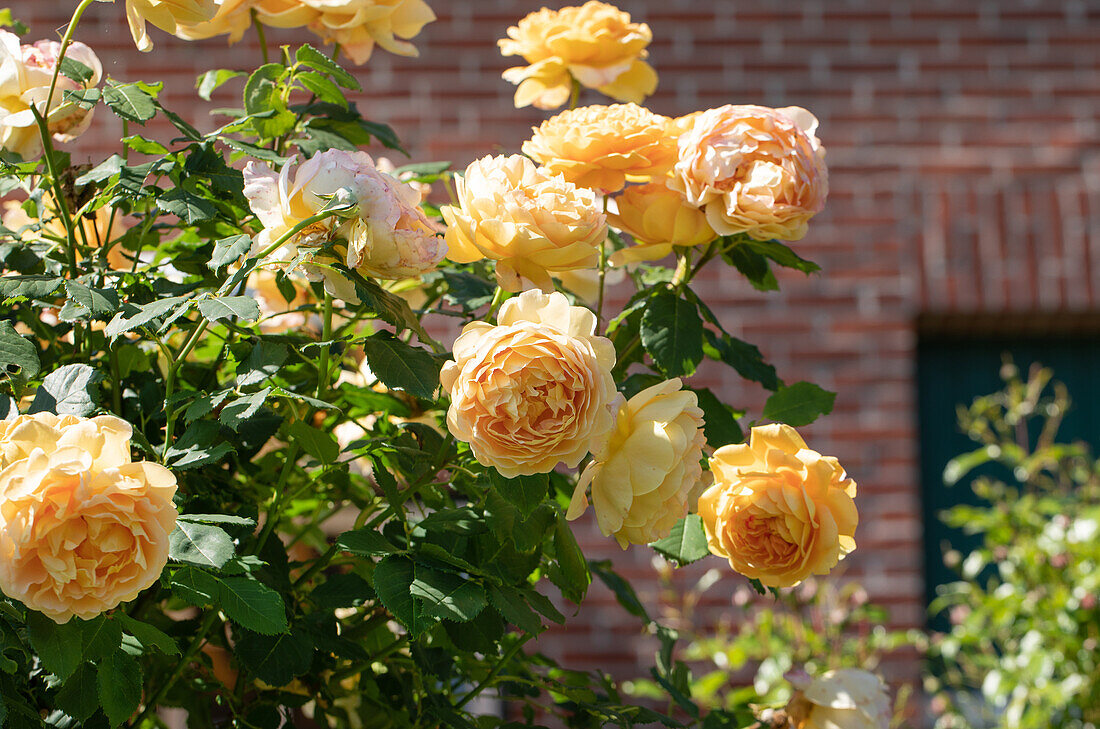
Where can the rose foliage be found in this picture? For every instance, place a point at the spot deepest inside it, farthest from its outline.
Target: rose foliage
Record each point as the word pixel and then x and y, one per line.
pixel 288 438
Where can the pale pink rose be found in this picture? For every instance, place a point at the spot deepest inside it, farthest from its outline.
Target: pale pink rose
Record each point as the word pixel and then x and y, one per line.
pixel 848 698
pixel 753 170
pixel 386 234
pixel 25 75
pixel 533 391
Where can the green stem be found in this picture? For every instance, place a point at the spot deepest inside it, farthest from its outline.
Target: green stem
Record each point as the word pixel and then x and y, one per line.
pixel 280 491
pixel 508 655
pixel 260 34
pixel 499 297
pixel 170 382
pixel 603 272
pixel 575 94
pixel 196 645
pixel 65 40
pixel 326 335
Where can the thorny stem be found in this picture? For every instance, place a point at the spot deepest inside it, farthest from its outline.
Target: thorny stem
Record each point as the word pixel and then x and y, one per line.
pixel 508 656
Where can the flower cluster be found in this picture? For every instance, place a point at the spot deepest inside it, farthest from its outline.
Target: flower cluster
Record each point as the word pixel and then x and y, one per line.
pixel 357 25
pixel 82 527
pixel 26 73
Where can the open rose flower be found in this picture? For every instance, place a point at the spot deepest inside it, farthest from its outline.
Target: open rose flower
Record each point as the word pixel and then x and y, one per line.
pixel 357 25
pixel 848 698
pixel 168 15
pixel 601 147
pixel 529 221
pixel 533 391
pixel 596 44
pixel 658 219
pixel 82 528
pixel 25 75
pixel 754 170
pixel 386 234
pixel 647 472
pixel 778 511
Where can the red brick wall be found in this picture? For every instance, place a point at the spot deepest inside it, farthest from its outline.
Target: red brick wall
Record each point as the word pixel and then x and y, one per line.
pixel 964 153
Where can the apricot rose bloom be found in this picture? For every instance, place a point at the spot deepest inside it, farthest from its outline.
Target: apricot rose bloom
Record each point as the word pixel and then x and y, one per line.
pixel 533 391
pixel 647 472
pixel 596 44
pixel 848 698
pixel 778 511
pixel 657 218
pixel 104 227
pixel 357 25
pixel 168 15
pixel 386 234
pixel 527 220
pixel 26 71
pixel 601 147
pixel 82 528
pixel 753 170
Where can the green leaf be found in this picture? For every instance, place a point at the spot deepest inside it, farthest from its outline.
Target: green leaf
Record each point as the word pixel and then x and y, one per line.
pixel 393 578
pixel 239 411
pixel 781 254
pixel 229 250
pixel 75 70
pixel 743 357
pixel 187 206
pixel 231 519
pixel 32 287
pixel 574 578
pixel 467 290
pixel 672 333
pixel 18 355
pixel 322 88
pixel 100 637
pixel 719 420
pixel 262 94
pixel 345 589
pixel 513 608
pixel 69 390
pixel 78 696
pixel 310 57
pixel 383 133
pixel 141 145
pixel 132 317
pixel 59 646
pixel 525 492
pixel 196 447
pixel 119 678
pixel 623 591
pixel 275 659
pixel 686 543
pixel 366 541
pixel 317 443
pixel 264 361
pixel 148 635
pixel 203 545
pixel 130 102
pixel 542 603
pixel 753 266
pixel 447 596
pixel 95 301
pixel 226 307
pixel 400 366
pixel 799 404
pixel 207 82
pixel 253 605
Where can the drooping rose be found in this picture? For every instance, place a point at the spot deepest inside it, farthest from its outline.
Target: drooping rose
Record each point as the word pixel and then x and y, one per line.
pixel 778 511
pixel 168 15
pixel 533 391
pixel 26 72
pixel 386 236
pixel 754 170
pixel 601 147
pixel 657 218
pixel 848 698
pixel 82 527
pixel 529 221
pixel 595 43
pixel 645 475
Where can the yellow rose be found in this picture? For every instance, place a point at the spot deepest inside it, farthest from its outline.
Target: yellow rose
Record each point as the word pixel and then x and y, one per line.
pixel 778 511
pixel 657 218
pixel 596 44
pixel 529 221
pixel 848 698
pixel 26 72
pixel 105 438
pixel 754 170
pixel 168 15
pixel 99 227
pixel 534 390
pixel 647 472
pixel 601 147
pixel 232 18
pixel 82 528
pixel 276 313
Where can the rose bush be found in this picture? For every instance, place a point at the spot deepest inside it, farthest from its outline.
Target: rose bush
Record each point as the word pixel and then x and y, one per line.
pixel 241 475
